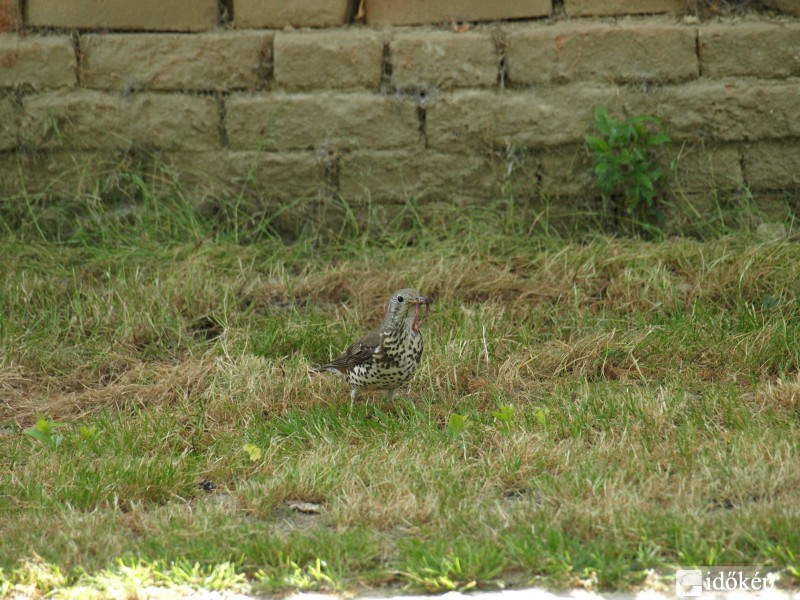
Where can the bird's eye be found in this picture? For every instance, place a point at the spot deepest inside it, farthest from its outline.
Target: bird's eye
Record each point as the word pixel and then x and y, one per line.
pixel 399 298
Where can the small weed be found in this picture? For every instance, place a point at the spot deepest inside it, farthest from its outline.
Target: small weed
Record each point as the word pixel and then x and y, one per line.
pixel 290 575
pixel 626 169
pixel 785 556
pixel 441 575
pixel 89 437
pixel 129 577
pixel 45 432
pixel 253 452
pixel 456 424
pixel 221 577
pixel 505 416
pixel 36 574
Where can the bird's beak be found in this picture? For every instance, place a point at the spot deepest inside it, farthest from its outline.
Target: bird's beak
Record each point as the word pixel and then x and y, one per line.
pixel 418 319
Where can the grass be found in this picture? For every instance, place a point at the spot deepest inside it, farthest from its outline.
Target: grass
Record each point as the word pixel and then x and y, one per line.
pixel 590 411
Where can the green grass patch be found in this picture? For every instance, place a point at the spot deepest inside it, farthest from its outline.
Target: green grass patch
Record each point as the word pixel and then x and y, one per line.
pixel 589 411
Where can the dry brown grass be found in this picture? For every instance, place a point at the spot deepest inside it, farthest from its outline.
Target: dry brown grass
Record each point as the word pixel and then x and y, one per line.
pixel 122 386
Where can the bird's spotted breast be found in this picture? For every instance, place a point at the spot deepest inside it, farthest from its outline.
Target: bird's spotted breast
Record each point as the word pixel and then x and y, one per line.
pixel 394 363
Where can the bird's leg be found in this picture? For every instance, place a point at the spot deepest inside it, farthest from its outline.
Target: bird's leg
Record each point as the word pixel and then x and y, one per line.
pixel 391 394
pixel 353 394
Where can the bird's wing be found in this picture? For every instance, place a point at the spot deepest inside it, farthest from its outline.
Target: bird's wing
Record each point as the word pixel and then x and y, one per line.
pixel 356 353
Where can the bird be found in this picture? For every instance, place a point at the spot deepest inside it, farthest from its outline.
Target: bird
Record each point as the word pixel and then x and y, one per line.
pixel 387 357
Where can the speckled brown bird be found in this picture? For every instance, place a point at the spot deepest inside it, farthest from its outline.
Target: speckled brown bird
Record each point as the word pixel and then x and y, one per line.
pixel 387 357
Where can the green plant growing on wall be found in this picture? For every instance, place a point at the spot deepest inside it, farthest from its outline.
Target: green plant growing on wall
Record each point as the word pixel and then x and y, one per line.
pixel 627 171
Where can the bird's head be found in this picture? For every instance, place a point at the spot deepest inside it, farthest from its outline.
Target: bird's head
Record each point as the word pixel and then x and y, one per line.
pixel 404 309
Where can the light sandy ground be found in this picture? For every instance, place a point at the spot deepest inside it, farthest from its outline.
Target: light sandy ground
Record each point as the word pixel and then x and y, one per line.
pixel 536 594
pixel 529 594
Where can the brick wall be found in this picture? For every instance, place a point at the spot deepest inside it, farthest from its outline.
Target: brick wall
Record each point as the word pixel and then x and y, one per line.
pixel 417 99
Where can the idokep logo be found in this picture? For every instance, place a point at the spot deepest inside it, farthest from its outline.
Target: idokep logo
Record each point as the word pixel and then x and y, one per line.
pixel 691 583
